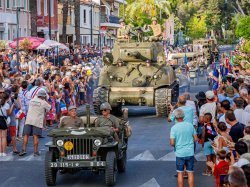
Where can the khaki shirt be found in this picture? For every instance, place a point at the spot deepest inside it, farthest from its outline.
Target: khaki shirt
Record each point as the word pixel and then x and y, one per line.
pixel 111 121
pixel 71 122
pixel 122 32
pixel 37 111
pixel 156 29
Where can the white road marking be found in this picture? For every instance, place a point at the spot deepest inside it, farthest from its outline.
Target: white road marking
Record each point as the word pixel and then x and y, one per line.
pixel 30 158
pixel 168 157
pixel 145 156
pixel 6 183
pixel 151 183
pixel 9 157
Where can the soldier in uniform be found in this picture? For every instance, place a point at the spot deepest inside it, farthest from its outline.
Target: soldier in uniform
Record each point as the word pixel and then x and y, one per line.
pixel 108 119
pixel 122 32
pixel 71 121
pixel 157 32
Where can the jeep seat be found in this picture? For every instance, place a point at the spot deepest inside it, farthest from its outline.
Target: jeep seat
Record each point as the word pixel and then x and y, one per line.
pixel 92 120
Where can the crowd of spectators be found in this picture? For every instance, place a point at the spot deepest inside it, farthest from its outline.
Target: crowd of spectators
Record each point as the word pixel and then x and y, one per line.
pixel 222 128
pixel 70 82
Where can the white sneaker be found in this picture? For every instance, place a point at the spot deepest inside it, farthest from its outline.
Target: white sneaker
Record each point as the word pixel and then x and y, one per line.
pixel 4 154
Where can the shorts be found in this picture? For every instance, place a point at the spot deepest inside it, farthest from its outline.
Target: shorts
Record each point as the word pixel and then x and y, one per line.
pixel 208 149
pixel 82 96
pixel 58 108
pixel 12 130
pixel 187 161
pixel 32 130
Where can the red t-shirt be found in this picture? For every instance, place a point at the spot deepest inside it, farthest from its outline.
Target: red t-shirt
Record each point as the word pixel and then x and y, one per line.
pixel 220 169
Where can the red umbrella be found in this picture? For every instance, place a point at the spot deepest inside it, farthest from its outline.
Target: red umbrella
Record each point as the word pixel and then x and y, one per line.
pixel 34 40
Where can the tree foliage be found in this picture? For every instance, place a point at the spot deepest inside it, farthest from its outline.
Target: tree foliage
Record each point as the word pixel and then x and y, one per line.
pixel 197 27
pixel 141 11
pixel 243 28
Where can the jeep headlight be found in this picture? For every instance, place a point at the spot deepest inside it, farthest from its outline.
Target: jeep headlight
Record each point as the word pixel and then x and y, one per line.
pixel 155 76
pixel 111 77
pixel 97 142
pixel 59 143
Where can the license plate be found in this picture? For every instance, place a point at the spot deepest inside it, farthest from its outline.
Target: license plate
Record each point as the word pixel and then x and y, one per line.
pixel 78 157
pixel 64 164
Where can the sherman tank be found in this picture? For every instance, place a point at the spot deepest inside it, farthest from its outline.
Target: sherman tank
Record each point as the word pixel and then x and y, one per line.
pixel 135 73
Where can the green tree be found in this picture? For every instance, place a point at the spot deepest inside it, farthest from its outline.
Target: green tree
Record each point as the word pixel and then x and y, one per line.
pixel 213 15
pixel 141 11
pixel 196 27
pixel 243 28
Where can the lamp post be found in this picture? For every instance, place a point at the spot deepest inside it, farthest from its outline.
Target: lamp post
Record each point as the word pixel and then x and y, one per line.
pixel 18 9
pixel 49 7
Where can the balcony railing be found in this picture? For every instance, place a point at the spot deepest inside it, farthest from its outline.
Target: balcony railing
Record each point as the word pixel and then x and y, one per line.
pixel 109 19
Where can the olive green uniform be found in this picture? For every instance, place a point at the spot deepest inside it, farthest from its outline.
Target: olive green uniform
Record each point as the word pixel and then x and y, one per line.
pixel 157 32
pixel 111 121
pixel 68 122
pixel 122 33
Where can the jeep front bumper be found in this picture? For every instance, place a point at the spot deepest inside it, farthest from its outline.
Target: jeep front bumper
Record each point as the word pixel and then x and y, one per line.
pixel 77 164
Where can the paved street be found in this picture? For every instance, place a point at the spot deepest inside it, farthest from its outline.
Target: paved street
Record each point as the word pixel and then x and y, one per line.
pixel 151 160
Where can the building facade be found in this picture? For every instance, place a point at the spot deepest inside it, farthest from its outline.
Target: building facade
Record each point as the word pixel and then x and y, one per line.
pixel 8 19
pixel 47 9
pixel 86 9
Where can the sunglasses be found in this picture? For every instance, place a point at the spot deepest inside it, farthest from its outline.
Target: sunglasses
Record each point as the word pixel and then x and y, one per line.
pixel 104 110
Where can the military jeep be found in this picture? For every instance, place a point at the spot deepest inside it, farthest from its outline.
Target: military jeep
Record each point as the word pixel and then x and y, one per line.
pixel 89 148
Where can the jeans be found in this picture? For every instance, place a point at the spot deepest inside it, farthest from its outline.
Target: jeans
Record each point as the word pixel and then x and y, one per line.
pixel 19 127
pixel 181 162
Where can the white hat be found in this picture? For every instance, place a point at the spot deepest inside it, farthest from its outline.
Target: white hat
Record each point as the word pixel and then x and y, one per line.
pixel 61 86
pixel 42 93
pixel 241 162
pixel 73 67
pixel 209 94
pixel 68 73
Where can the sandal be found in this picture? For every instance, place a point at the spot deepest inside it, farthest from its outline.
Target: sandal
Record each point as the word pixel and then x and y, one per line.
pixel 22 153
pixel 207 173
pixel 15 152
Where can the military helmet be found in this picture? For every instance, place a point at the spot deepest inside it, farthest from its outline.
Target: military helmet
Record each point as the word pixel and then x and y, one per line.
pixel 105 105
pixel 154 19
pixel 121 20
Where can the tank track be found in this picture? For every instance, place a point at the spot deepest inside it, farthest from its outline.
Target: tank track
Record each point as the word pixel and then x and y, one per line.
pixel 162 99
pixel 100 96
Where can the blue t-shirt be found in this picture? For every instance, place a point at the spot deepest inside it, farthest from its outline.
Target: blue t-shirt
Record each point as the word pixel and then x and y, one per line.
pixel 188 113
pixel 183 134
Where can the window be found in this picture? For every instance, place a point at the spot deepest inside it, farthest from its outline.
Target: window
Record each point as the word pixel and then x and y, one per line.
pixel 7 3
pixel 14 3
pixel 52 8
pixel 84 16
pixel 25 5
pixel 45 7
pixel 0 3
pixel 39 7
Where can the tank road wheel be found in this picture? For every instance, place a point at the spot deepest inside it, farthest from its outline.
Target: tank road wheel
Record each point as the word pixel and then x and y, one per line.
pixel 111 169
pixel 50 173
pixel 121 163
pixel 100 96
pixel 162 98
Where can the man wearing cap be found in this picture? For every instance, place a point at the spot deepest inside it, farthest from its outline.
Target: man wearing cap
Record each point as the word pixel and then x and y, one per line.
pixel 157 32
pixel 108 119
pixel 230 94
pixel 71 121
pixel 209 107
pixel 122 32
pixel 38 106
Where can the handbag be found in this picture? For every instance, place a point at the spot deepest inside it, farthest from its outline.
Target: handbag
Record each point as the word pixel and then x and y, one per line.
pixel 4 121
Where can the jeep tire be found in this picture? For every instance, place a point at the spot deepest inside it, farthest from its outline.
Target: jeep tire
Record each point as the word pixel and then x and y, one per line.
pixel 122 162
pixel 111 168
pixel 50 173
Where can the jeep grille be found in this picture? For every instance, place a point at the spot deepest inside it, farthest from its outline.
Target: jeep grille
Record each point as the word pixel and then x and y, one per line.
pixel 81 146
